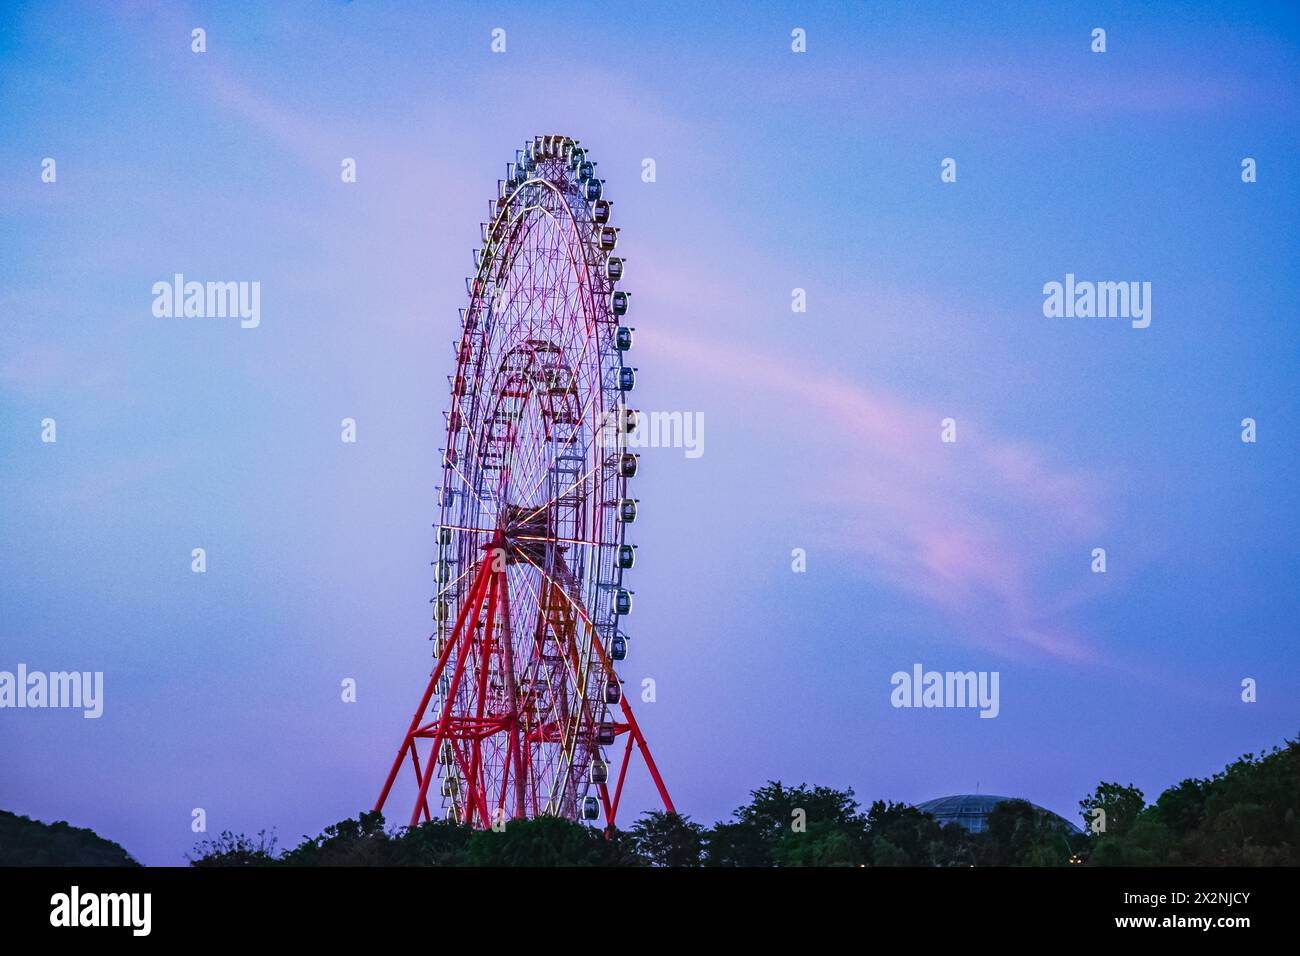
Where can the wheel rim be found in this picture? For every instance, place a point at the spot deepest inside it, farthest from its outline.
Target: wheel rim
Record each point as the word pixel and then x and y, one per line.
pixel 532 478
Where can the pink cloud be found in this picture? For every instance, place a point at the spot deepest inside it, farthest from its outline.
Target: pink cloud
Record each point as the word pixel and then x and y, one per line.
pixel 964 528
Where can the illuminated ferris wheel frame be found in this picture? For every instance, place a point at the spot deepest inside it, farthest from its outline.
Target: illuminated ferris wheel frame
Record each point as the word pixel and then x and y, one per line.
pixel 525 706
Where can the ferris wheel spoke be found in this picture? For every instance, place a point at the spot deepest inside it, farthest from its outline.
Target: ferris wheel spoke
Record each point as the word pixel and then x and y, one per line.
pixel 568 730
pixel 552 540
pixel 571 487
pixel 568 444
pixel 578 674
pixel 468 485
pixel 451 585
pixel 537 604
pixel 554 714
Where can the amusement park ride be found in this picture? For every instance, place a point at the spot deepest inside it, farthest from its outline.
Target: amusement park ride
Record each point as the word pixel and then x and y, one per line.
pixel 525 704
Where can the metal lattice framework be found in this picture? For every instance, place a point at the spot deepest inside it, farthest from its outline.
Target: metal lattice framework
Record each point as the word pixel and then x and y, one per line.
pixel 524 703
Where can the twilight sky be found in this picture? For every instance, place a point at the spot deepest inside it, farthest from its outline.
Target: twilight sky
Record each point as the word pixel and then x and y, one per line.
pixel 775 170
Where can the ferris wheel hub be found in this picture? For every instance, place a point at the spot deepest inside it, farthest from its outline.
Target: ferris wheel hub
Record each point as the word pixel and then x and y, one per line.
pixel 523 534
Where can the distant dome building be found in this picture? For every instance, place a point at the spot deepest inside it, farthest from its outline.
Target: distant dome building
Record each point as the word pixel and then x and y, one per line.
pixel 971 810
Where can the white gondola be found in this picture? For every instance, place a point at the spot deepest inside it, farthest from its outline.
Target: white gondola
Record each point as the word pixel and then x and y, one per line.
pixel 627 510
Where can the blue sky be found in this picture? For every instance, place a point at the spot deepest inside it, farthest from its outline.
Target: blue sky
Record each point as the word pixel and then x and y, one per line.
pixel 774 171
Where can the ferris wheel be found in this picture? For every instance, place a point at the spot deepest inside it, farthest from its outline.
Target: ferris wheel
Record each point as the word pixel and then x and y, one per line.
pixel 524 711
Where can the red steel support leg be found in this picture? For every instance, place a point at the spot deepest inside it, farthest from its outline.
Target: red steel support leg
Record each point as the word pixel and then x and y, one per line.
pixel 491 586
pixel 505 772
pixel 635 729
pixel 512 692
pixel 415 762
pixel 409 740
pixel 444 720
pixel 622 775
pixel 603 790
pixel 480 800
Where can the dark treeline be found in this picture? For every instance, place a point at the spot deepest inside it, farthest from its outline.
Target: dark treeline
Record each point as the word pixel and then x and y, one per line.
pixel 1245 816
pixel 27 842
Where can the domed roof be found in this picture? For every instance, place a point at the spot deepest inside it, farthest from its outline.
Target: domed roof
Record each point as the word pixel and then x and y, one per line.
pixel 971 810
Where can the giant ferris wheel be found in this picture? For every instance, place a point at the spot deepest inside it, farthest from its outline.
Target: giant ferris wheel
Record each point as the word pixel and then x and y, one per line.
pixel 525 712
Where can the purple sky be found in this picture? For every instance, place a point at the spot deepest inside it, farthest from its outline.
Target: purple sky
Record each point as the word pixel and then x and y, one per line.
pixel 774 171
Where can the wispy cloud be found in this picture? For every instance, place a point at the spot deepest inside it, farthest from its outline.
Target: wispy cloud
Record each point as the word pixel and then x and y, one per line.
pixel 964 528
